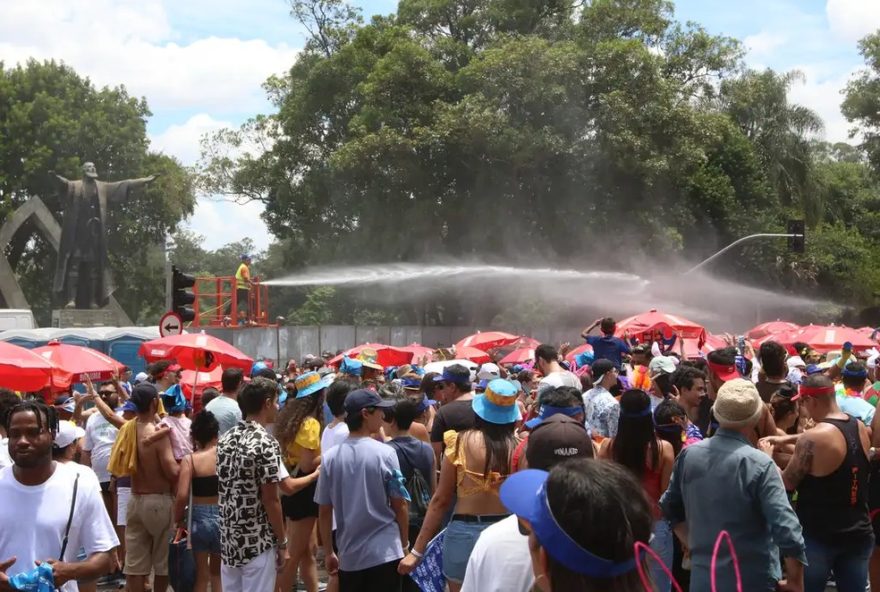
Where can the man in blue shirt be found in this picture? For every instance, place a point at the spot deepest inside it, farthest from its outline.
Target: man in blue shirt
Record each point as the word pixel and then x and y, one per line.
pixel 725 484
pixel 607 346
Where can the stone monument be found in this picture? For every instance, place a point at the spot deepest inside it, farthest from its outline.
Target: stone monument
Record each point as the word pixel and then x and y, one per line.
pixel 82 284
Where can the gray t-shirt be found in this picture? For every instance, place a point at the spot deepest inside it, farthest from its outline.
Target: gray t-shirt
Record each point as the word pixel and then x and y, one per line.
pixel 227 412
pixel 354 480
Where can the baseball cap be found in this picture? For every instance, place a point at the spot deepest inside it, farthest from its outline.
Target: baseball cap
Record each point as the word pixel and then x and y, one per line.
pixel 600 368
pixel 67 434
pixel 525 494
pixel 129 406
pixel 363 398
pixel 489 371
pixel 412 384
pixel 454 373
pixel 425 403
pixel 556 439
pixel 661 365
pixel 498 404
pixel 140 377
pixel 142 395
pixel 65 403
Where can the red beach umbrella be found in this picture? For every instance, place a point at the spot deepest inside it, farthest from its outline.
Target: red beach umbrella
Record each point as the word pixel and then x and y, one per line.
pixel 386 355
pixel 519 356
pixel 196 351
pixel 23 370
pixel 644 325
pixel 771 328
pixel 75 363
pixel 488 340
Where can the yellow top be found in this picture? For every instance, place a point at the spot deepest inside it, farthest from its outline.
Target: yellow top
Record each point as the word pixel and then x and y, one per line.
pixel 479 483
pixel 242 277
pixel 307 438
pixel 123 456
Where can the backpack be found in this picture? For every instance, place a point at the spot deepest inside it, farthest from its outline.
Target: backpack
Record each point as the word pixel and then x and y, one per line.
pixel 416 486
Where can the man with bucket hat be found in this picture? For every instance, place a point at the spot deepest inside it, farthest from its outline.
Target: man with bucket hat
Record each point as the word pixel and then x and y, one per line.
pixel 724 483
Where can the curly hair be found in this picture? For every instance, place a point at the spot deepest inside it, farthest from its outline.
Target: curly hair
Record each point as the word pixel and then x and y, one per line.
pixel 294 412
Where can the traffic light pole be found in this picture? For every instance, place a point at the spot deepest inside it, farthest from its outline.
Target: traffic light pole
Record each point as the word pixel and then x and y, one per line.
pixel 739 242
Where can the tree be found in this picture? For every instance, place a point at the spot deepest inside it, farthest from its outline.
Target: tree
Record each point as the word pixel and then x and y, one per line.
pixel 861 105
pixel 781 131
pixel 52 119
pixel 594 132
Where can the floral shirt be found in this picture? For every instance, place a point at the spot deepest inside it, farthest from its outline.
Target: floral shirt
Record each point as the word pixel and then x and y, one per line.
pixel 247 457
pixel 602 412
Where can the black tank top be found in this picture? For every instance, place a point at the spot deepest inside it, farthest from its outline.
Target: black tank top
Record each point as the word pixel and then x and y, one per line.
pixel 834 508
pixel 208 486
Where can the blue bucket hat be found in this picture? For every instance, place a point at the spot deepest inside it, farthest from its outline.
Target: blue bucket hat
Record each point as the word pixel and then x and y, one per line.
pixel 498 403
pixel 424 404
pixel 525 494
pixel 309 383
pixel 351 366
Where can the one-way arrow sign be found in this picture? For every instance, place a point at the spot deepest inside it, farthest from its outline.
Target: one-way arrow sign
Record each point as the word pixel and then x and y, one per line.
pixel 170 324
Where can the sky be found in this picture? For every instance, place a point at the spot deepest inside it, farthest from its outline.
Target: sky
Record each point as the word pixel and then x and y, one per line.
pixel 200 63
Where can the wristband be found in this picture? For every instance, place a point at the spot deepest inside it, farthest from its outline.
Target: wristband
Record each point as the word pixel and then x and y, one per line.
pixel 416 554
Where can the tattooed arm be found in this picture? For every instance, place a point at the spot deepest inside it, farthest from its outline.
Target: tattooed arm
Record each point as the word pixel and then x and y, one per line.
pixel 800 464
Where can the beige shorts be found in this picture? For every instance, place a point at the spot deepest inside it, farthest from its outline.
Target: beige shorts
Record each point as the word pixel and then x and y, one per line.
pixel 147 534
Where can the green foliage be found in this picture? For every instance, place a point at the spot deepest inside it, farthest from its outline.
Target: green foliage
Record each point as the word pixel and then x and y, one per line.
pixel 861 105
pixel 534 131
pixel 52 119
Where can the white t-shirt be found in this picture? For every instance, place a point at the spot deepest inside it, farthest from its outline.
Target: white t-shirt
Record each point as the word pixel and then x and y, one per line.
pixel 5 459
pixel 43 509
pixel 99 439
pixel 226 411
pixel 500 561
pixel 333 436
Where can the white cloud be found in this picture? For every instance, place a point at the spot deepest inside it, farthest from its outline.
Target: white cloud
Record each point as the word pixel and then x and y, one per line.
pixel 222 222
pixel 182 140
pixel 131 42
pixel 853 19
pixel 763 43
pixel 821 92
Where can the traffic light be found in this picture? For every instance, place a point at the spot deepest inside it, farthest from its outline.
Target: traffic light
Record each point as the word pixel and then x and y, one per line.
pixel 796 244
pixel 181 296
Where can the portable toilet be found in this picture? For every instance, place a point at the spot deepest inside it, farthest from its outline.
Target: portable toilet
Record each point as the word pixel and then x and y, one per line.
pixel 86 337
pixel 29 338
pixel 122 344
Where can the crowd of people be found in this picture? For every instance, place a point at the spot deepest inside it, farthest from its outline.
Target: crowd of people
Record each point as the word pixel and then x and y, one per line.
pixel 622 470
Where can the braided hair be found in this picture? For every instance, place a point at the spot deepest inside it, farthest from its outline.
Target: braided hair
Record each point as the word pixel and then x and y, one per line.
pixel 42 412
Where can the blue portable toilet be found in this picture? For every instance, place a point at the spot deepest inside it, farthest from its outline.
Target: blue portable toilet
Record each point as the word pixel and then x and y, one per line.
pixel 123 343
pixel 29 338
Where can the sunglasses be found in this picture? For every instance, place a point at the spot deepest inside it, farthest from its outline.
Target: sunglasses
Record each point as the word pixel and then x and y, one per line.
pixel 106 393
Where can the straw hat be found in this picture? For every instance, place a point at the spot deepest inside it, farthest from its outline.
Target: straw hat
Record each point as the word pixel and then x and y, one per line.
pixel 738 404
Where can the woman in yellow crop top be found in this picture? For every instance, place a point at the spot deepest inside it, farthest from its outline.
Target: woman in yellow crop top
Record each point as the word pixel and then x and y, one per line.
pixel 298 429
pixel 474 466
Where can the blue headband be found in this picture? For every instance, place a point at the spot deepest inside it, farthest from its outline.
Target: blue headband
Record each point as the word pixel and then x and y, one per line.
pixel 855 373
pixel 565 550
pixel 636 414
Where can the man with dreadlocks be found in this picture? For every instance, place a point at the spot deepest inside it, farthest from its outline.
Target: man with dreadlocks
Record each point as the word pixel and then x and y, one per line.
pixel 58 510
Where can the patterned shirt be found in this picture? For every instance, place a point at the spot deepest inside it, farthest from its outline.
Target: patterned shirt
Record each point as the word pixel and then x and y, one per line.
pixel 247 457
pixel 602 412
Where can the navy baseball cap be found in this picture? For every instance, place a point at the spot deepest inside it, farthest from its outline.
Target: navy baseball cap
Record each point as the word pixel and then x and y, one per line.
pixel 364 398
pixel 455 373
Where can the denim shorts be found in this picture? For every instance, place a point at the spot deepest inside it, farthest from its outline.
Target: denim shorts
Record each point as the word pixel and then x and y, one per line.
pixel 457 546
pixel 205 528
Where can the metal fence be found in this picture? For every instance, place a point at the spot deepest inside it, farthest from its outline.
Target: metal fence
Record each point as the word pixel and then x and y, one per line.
pixel 284 343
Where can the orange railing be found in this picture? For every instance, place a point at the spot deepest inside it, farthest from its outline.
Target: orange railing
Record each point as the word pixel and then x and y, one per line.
pixel 217 303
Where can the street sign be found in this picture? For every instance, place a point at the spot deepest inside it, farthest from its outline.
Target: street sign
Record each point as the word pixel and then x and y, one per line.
pixel 170 324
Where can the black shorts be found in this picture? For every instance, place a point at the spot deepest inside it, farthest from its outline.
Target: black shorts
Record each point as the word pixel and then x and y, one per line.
pixel 301 504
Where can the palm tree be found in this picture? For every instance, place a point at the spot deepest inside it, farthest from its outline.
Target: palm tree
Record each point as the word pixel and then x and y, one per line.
pixel 781 132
